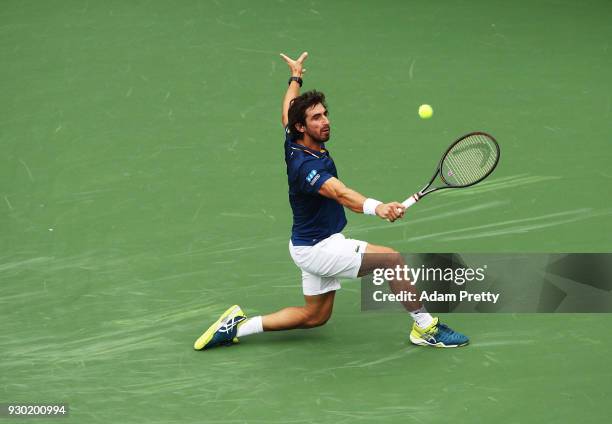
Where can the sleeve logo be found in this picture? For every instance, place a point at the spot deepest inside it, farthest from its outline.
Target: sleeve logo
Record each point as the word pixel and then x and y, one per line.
pixel 312 177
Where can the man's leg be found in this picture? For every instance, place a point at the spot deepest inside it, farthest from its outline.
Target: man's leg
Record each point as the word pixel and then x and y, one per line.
pixel 234 324
pixel 385 257
pixel 319 295
pixel 315 312
pixel 427 330
pixel 319 265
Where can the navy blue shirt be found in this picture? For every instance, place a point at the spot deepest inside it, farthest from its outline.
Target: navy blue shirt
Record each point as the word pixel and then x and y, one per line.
pixel 315 217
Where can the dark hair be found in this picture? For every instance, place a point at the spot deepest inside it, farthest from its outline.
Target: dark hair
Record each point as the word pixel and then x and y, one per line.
pixel 298 107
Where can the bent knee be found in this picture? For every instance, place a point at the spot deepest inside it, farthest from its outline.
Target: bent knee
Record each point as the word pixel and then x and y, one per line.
pixel 316 322
pixel 316 319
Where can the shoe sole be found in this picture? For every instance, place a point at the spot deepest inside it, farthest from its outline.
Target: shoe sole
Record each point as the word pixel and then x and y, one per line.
pixel 421 342
pixel 208 334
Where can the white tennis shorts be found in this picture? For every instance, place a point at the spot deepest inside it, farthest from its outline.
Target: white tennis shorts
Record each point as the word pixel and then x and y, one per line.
pixel 326 262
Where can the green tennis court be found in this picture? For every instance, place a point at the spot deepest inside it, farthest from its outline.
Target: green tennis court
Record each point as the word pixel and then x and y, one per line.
pixel 144 191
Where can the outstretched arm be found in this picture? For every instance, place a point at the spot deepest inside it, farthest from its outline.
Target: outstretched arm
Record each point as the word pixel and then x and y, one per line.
pixel 335 189
pixel 296 68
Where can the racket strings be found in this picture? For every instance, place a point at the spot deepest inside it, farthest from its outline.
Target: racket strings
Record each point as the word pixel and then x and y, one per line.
pixel 458 174
pixel 470 160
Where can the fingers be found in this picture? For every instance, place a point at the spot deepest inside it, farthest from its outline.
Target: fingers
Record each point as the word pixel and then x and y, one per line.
pixel 299 60
pixel 400 208
pixel 395 211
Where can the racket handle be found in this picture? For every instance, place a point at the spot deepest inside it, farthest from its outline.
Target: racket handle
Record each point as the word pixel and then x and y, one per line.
pixel 411 200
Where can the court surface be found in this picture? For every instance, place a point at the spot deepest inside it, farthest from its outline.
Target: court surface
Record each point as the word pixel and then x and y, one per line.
pixel 144 191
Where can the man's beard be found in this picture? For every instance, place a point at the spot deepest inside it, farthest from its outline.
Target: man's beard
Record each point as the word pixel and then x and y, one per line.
pixel 321 139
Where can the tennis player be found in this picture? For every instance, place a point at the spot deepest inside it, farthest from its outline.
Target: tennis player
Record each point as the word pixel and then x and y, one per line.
pixel 318 247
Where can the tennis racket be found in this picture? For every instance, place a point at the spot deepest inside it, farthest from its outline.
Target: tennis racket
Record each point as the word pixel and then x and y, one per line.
pixel 467 161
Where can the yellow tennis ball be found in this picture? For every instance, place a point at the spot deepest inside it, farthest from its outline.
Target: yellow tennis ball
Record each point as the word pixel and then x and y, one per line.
pixel 425 111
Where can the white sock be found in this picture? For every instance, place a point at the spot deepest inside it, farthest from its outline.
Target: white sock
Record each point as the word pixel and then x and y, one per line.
pixel 422 318
pixel 250 326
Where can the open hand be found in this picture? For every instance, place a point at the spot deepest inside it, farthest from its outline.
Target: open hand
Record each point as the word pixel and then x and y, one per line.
pixel 296 66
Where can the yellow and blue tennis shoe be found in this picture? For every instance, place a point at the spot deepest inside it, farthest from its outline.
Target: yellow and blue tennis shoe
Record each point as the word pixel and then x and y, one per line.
pixel 437 335
pixel 223 331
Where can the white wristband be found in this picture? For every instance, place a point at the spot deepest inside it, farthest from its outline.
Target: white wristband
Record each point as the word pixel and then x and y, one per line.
pixel 369 206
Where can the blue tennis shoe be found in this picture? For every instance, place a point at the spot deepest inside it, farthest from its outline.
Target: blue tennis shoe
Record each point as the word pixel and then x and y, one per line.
pixel 223 331
pixel 437 335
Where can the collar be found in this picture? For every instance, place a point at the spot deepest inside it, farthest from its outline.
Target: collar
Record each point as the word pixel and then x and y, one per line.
pixel 311 152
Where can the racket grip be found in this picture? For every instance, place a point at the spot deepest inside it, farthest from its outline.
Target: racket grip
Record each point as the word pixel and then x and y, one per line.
pixel 410 201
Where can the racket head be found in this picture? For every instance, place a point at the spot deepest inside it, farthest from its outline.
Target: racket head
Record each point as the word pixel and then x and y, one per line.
pixel 469 160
